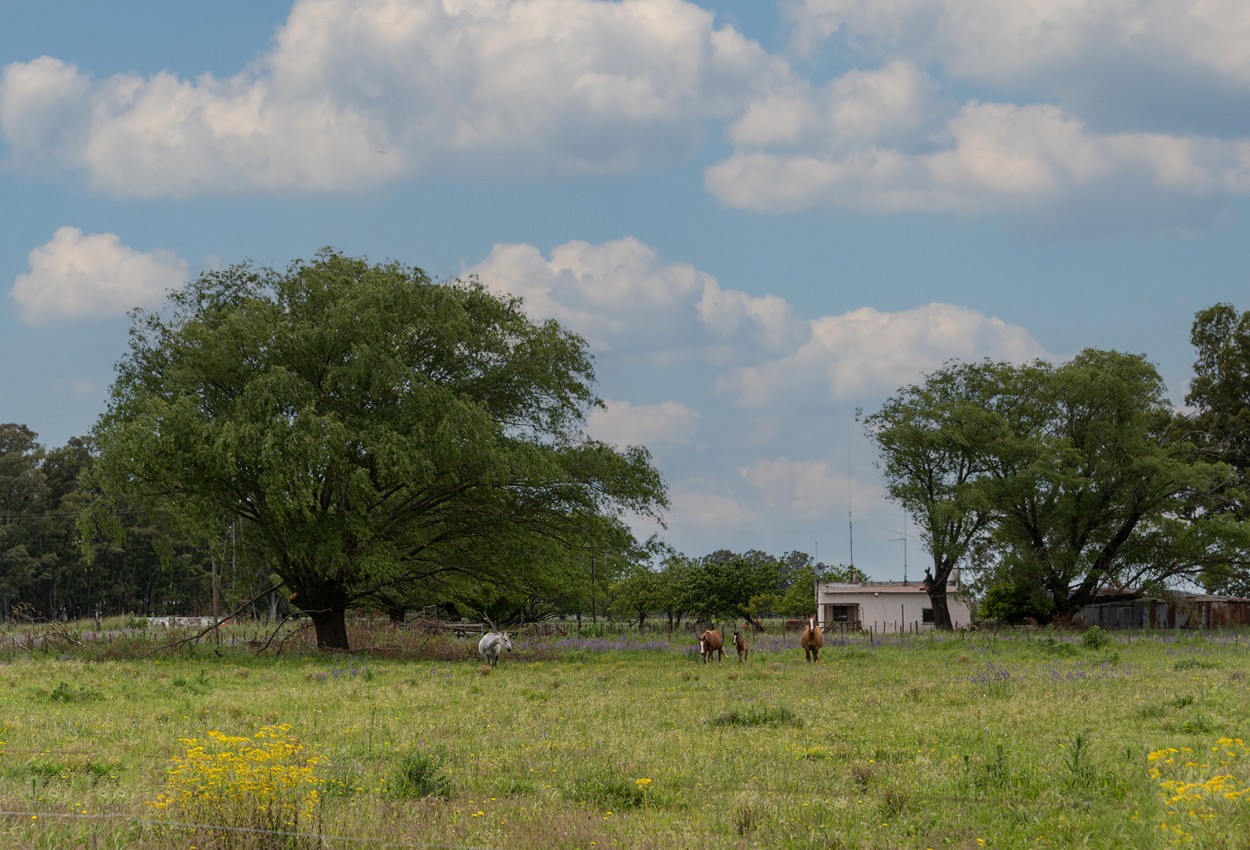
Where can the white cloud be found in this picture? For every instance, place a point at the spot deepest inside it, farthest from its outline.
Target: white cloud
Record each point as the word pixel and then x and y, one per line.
pixel 624 424
pixel 870 353
pixel 1142 106
pixel 891 105
pixel 357 94
pixel 620 294
pixel 808 489
pixel 1033 41
pixel 80 276
pixel 992 157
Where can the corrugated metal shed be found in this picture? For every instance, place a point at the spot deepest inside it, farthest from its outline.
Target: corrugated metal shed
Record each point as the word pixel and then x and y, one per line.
pixel 1180 611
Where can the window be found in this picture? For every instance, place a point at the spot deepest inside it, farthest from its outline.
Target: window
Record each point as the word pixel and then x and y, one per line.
pixel 926 615
pixel 844 613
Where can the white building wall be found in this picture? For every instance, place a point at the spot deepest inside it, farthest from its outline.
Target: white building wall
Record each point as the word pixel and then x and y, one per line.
pixel 888 608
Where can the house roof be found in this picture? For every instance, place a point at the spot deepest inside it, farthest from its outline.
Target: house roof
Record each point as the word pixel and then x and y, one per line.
pixel 880 587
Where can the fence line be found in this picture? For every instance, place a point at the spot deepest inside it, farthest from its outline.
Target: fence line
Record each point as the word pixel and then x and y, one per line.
pixel 168 824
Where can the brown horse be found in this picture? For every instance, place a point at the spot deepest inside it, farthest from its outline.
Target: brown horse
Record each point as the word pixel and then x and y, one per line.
pixel 811 640
pixel 710 643
pixel 740 644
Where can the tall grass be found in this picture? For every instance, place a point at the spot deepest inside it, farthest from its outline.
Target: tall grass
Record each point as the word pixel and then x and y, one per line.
pixel 944 742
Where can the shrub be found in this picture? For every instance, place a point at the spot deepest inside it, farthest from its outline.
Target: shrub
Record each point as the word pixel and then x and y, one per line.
pixel 1095 637
pixel 1014 603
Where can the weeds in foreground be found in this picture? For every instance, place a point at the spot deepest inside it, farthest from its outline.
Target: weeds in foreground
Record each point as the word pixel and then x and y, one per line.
pixel 1202 791
pixel 421 775
pixel 240 792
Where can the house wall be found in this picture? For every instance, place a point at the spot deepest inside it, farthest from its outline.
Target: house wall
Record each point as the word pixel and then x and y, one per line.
pixel 887 610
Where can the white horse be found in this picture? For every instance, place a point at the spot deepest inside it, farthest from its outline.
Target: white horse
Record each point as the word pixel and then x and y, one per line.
pixel 491 644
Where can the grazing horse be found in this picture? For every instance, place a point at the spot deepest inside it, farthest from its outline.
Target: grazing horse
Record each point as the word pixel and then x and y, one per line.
pixel 491 644
pixel 710 643
pixel 811 640
pixel 740 644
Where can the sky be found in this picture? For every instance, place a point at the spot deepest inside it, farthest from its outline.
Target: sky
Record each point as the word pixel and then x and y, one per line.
pixel 761 216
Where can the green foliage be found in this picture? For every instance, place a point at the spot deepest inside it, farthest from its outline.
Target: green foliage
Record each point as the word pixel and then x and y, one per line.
pixel 1095 637
pixel 723 584
pixel 1059 477
pixel 64 692
pixel 1220 396
pixel 420 774
pixel 374 434
pixel 759 714
pixel 1013 602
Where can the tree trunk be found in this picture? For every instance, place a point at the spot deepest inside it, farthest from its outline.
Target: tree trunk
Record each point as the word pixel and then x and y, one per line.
pixel 331 626
pixel 326 605
pixel 941 613
pixel 936 586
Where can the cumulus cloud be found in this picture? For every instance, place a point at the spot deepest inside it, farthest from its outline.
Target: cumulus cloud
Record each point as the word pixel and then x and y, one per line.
pixel 991 157
pixel 869 353
pixel 1142 105
pixel 623 424
pixel 947 106
pixel 357 94
pixel 1035 43
pixel 621 294
pixel 80 276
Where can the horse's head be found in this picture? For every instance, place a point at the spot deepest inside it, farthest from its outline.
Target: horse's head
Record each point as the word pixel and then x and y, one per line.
pixel 506 641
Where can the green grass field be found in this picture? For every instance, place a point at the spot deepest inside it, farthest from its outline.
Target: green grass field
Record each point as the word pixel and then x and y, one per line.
pixel 1009 741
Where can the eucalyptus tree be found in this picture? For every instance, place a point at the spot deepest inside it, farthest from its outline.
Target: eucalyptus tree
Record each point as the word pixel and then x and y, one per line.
pixel 371 430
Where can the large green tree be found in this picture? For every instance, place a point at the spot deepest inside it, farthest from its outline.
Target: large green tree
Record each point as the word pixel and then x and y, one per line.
pixel 371 431
pixel 1095 476
pixel 1067 478
pixel 931 438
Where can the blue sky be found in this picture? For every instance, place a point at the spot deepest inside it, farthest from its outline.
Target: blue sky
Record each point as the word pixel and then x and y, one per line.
pixel 762 216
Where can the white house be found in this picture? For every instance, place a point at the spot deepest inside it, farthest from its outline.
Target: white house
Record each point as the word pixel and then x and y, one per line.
pixel 886 606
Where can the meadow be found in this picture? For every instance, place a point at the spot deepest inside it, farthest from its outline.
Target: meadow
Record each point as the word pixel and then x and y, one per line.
pixel 1010 740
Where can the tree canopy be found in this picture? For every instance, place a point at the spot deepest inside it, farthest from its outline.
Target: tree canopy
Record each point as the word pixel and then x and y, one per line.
pixel 1067 477
pixel 1220 397
pixel 372 431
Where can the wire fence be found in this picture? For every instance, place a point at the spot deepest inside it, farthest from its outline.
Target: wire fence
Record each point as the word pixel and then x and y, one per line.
pixel 322 839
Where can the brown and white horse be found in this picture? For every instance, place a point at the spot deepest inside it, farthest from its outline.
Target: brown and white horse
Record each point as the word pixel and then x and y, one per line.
pixel 710 643
pixel 740 644
pixel 811 640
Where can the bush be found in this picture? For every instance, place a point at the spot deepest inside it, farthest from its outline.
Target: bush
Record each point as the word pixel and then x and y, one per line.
pixel 1015 602
pixel 1095 637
